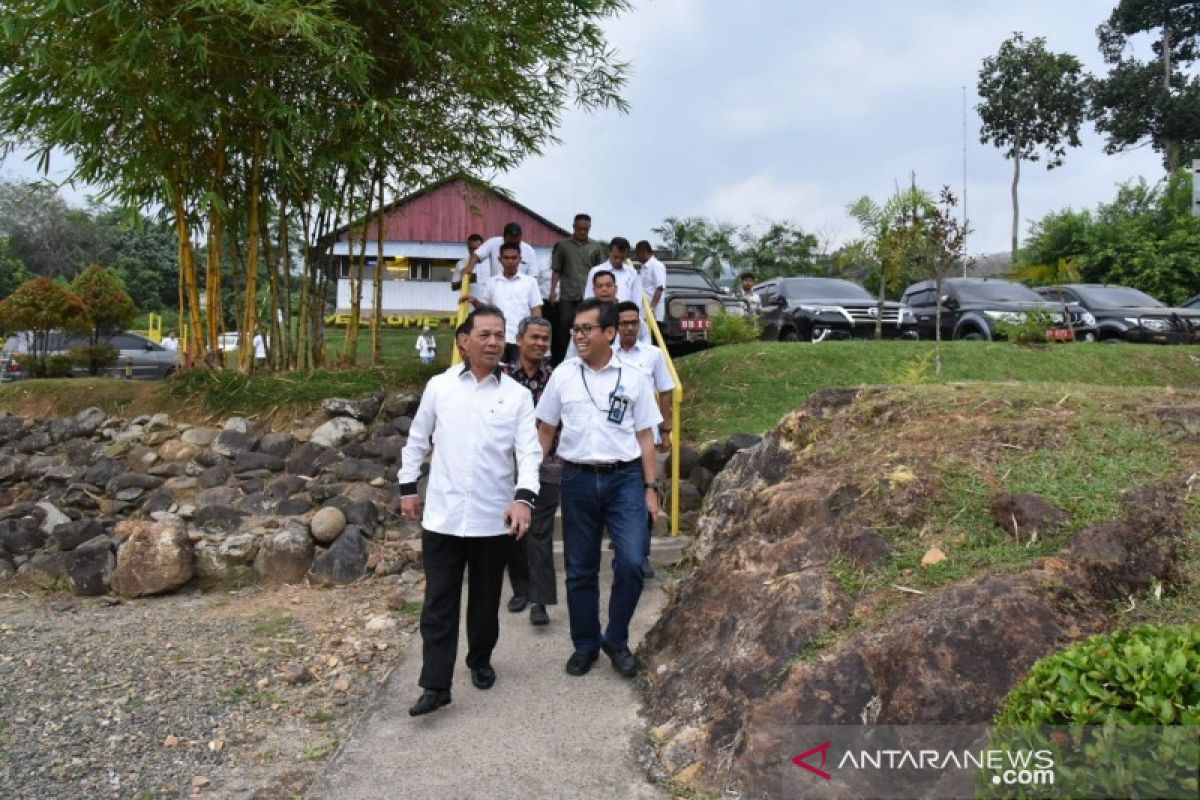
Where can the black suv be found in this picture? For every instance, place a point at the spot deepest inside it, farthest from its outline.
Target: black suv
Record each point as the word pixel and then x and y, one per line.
pixel 816 309
pixel 1126 314
pixel 974 308
pixel 690 300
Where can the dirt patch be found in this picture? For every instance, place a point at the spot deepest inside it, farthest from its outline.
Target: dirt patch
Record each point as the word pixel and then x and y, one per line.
pixel 238 694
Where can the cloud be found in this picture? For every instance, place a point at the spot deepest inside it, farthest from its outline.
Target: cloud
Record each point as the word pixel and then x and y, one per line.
pixel 763 197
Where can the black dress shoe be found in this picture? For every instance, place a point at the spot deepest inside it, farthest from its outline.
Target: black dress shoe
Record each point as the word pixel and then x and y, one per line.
pixel 579 663
pixel 430 700
pixel 622 660
pixel 517 604
pixel 538 615
pixel 484 677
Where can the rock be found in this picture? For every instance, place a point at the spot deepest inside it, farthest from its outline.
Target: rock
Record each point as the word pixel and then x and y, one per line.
pixel 714 455
pixel 200 437
pixel 88 421
pixel 213 477
pixel 310 458
pixel 170 469
pixel 864 548
pixel 286 555
pixel 34 443
pixel 364 410
pixel 158 422
pixel 237 425
pixel 257 504
pixel 742 441
pixel 73 533
pixel 227 562
pixel 46 570
pixel 293 506
pixel 402 425
pixel 7 570
pixel 362 513
pixel 53 517
pixel 239 548
pixel 702 479
pixel 287 486
pixel 327 524
pixel 354 469
pixel 218 496
pixel 345 561
pixel 245 461
pixel 21 536
pixel 322 490
pixel 178 450
pixel 89 570
pixel 156 558
pixel 132 480
pixel 1026 516
pixel 296 674
pixel 158 500
pixel 689 458
pixel 690 498
pixel 380 624
pixel 277 444
pixel 404 404
pixel 11 466
pixel 385 448
pixel 218 518
pixel 231 442
pixel 934 555
pixel 103 471
pixel 337 431
pixel 181 484
pixel 141 458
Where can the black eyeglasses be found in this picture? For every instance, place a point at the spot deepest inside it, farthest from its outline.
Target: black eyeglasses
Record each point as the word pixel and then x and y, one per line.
pixel 585 329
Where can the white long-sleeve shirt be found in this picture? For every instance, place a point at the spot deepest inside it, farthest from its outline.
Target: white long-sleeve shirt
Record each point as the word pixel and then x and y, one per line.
pixel 476 429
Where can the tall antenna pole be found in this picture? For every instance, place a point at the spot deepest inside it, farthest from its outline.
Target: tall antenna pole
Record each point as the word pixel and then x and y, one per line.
pixel 964 177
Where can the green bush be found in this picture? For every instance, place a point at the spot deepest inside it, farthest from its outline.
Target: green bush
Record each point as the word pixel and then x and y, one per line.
pixel 732 329
pixel 1119 710
pixel 95 358
pixel 59 365
pixel 1030 330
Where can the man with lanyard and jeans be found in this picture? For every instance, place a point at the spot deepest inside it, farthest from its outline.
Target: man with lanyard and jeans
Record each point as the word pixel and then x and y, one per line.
pixel 531 558
pixel 610 470
pixel 569 265
pixel 650 360
pixel 483 485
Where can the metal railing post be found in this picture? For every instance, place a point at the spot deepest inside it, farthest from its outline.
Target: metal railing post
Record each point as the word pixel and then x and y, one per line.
pixel 460 317
pixel 676 405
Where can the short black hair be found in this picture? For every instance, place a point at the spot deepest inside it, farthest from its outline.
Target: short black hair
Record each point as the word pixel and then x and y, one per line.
pixel 745 275
pixel 621 243
pixel 512 229
pixel 643 245
pixel 628 305
pixel 600 272
pixel 608 311
pixel 460 330
pixel 583 217
pixel 510 246
pixel 481 311
pixel 474 237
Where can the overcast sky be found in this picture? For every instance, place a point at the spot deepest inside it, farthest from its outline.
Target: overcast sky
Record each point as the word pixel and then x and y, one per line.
pixel 766 109
pixel 777 109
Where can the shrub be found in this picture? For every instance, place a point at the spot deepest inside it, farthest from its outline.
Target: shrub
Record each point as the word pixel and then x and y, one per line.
pixel 95 358
pixel 59 366
pixel 1030 330
pixel 1138 692
pixel 105 299
pixel 38 307
pixel 732 329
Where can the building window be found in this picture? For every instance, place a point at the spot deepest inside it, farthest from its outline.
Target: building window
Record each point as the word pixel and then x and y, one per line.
pixel 420 270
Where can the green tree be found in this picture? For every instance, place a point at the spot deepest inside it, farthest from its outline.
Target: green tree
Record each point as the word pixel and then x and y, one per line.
pixel 107 303
pixel 12 270
pixel 1156 100
pixel 38 307
pixel 1033 102
pixel 708 244
pixel 782 249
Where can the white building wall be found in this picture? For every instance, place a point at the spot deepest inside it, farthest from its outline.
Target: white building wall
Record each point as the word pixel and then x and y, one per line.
pixel 402 297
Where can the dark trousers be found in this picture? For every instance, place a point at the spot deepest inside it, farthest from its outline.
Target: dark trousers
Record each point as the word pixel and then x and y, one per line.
pixel 445 558
pixel 560 334
pixel 531 558
pixel 590 502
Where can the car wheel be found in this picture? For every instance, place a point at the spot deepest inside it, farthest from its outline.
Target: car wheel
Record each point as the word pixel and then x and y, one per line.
pixel 972 335
pixel 789 335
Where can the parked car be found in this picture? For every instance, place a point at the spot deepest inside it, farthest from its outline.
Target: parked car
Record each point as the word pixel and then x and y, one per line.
pixel 816 309
pixel 1126 314
pixel 691 299
pixel 142 357
pixel 1192 303
pixel 977 308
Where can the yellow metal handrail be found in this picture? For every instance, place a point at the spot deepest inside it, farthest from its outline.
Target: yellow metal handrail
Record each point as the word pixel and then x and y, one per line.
pixel 676 405
pixel 460 317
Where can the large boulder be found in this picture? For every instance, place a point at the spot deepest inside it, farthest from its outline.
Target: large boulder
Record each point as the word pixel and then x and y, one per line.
pixel 218 519
pixel 46 570
pixel 345 561
pixel 337 432
pixel 89 570
pixel 286 555
pixel 156 558
pixel 227 562
pixel 327 524
pixel 88 421
pixel 363 410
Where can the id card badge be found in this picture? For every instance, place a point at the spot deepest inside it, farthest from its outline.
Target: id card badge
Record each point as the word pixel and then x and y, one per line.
pixel 617 407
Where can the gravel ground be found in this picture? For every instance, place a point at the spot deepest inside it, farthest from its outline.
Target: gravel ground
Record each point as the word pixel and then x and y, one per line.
pixel 229 694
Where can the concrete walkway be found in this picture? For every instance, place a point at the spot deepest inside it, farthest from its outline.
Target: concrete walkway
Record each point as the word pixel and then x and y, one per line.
pixel 538 733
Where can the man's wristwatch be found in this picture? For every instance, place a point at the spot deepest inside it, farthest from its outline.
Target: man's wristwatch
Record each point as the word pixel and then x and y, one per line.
pixel 651 484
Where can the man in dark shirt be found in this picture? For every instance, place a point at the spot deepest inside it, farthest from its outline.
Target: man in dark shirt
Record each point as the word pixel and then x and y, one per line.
pixel 531 559
pixel 570 263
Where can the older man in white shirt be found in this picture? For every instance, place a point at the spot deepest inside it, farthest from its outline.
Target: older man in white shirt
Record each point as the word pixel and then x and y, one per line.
pixel 483 484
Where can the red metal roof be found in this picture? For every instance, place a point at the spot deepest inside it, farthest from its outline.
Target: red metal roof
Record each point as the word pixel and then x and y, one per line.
pixel 453 209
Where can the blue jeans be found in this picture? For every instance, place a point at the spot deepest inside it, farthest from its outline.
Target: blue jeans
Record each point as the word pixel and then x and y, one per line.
pixel 590 503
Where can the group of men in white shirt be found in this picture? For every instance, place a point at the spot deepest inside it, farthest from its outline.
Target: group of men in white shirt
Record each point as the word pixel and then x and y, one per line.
pixel 599 419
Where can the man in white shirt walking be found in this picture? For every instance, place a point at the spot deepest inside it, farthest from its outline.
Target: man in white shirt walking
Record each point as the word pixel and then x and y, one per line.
pixel 654 277
pixel 479 423
pixel 485 261
pixel 608 414
pixel 515 294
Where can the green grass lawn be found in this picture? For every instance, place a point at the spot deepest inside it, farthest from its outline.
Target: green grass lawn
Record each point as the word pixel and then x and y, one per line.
pixel 749 387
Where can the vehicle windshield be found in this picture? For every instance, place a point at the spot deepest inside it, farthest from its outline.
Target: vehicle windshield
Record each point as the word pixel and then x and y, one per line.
pixel 690 280
pixel 1117 297
pixel 823 289
pixel 997 292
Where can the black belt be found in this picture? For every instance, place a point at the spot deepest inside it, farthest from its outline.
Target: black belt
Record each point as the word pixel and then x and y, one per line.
pixel 615 466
